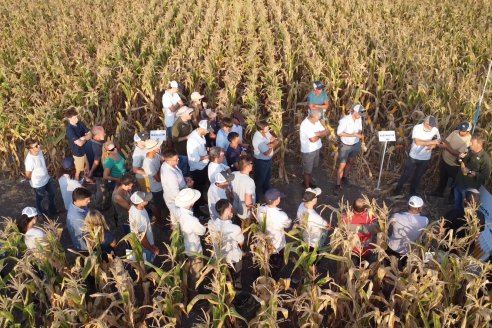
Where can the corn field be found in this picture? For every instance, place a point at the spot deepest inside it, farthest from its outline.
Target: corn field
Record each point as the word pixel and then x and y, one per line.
pixel 113 59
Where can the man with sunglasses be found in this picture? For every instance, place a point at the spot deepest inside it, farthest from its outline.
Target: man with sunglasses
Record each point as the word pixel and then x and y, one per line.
pixel 39 178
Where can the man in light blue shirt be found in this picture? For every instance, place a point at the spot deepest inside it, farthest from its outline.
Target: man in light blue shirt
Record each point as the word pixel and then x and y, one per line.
pixel 226 126
pixel 318 98
pixel 76 216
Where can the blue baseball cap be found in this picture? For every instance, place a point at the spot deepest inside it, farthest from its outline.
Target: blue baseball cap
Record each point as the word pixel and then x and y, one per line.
pixel 318 85
pixel 68 163
pixel 272 194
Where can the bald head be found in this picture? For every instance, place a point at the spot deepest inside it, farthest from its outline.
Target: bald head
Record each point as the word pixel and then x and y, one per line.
pixel 98 132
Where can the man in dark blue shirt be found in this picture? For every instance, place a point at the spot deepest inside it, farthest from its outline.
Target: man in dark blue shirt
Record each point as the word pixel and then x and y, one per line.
pixel 78 134
pixel 93 152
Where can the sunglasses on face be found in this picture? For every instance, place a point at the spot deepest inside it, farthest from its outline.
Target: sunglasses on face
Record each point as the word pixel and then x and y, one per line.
pixel 111 149
pixel 35 146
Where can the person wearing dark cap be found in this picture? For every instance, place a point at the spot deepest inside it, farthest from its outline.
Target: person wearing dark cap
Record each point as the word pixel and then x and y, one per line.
pixel 275 221
pixel 313 225
pixel 220 189
pixel 138 157
pixel 67 182
pixel 425 137
pixel 350 132
pixel 181 131
pixel 318 99
pixel 474 171
pixel 456 143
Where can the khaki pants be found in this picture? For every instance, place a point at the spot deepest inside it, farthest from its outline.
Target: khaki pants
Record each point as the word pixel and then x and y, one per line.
pixel 79 163
pixel 196 265
pixel 143 184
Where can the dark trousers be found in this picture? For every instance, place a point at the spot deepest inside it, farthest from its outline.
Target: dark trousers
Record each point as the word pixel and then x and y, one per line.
pixel 41 192
pixel 183 165
pixel 446 171
pixel 201 183
pixel 262 176
pixel 419 166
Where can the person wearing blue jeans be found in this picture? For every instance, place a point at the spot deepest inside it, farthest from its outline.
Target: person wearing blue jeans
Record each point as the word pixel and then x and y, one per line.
pixel 263 174
pixel 39 179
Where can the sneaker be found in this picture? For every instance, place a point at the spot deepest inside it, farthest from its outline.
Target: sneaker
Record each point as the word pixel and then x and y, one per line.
pixel 337 190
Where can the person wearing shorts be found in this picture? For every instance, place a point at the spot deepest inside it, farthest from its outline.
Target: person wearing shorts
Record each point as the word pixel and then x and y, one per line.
pixel 311 132
pixel 350 132
pixel 78 134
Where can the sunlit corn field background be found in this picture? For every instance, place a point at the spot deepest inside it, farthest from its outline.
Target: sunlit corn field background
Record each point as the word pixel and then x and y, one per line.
pixel 112 60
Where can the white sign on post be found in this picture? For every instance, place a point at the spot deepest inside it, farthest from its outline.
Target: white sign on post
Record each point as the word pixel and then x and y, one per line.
pixel 159 135
pixel 384 136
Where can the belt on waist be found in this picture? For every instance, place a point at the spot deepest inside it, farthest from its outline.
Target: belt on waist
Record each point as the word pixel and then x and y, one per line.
pixel 260 159
pixel 349 145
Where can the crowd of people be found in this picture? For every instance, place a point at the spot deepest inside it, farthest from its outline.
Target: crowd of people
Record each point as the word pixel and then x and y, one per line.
pixel 206 176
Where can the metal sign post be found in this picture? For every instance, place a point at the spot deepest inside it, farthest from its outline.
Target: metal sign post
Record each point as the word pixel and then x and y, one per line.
pixel 384 136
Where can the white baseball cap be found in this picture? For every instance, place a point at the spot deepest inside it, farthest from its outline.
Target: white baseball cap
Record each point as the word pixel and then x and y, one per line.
pixel 184 110
pixel 30 212
pixel 416 202
pixel 187 197
pixel 195 96
pixel 138 197
pixel 359 109
pixel 174 84
pixel 204 124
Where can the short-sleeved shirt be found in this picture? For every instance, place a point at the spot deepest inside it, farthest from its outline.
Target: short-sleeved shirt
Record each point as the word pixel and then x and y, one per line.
pixel 192 229
pixel 169 100
pixel 348 125
pixel 313 99
pixel 172 181
pixel 260 145
pixel 242 185
pixel 181 129
pixel 39 172
pixel 226 237
pixel 117 168
pixel 214 168
pixel 406 229
pixel 34 237
pixel 457 143
pixel 221 140
pixel 239 130
pixel 232 156
pixel 361 223
pixel 121 212
pixel 67 186
pixel 138 157
pixel 215 194
pixel 75 132
pixel 75 223
pixel 95 154
pixel 314 224
pixel 422 153
pixel 140 223
pixel 152 166
pixel 308 130
pixel 276 223
pixel 195 148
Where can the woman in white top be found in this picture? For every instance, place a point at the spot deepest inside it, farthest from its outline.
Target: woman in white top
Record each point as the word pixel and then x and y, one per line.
pixel 33 236
pixel 67 182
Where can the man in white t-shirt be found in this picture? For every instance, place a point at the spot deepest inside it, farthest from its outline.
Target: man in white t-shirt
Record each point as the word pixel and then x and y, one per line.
pixel 276 223
pixel 314 227
pixel 220 189
pixel 350 132
pixel 405 228
pixel 311 132
pixel 243 189
pixel 216 165
pixel 198 156
pixel 140 223
pixel 425 137
pixel 171 102
pixel 39 178
pixel 264 145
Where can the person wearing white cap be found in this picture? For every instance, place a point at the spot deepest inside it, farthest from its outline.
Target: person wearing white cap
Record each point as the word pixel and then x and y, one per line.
pixel 425 137
pixel 216 156
pixel 456 143
pixel 171 102
pixel 181 131
pixel 39 179
pixel 172 180
pixel 318 99
pixel 314 227
pixel 310 134
pixel 138 157
pixel 350 132
pixel 220 189
pixel 276 221
pixel 140 223
pixel 152 166
pixel 197 154
pixel 405 228
pixel 191 228
pixel 33 236
pixel 197 104
pixel 66 181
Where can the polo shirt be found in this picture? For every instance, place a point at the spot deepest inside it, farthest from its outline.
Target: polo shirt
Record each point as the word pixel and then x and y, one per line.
pixel 192 229
pixel 75 132
pixel 226 237
pixel 172 181
pixel 260 145
pixel 233 155
pixel 117 168
pixel 215 194
pixel 221 140
pixel 138 157
pixel 39 172
pixel 241 185
pixel 308 130
pixel 181 129
pixel 35 237
pixel 478 163
pixel 195 148
pixel 67 186
pixel 422 153
pixel 457 143
pixel 313 99
pixel 152 166
pixel 95 154
pixel 140 223
pixel 314 225
pixel 169 100
pixel 75 223
pixel 276 223
pixel 406 229
pixel 348 125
